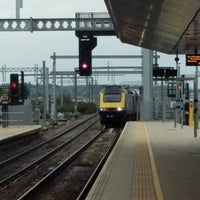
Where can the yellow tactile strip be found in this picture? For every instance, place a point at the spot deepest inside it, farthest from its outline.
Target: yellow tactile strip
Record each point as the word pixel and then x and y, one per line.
pixel 145 181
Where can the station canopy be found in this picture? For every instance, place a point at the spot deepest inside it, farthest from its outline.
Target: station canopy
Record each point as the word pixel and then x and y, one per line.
pixel 167 26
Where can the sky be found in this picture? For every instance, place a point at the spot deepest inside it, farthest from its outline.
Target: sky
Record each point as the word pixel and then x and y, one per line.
pixel 26 49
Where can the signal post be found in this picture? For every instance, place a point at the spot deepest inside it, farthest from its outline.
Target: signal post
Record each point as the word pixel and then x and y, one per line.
pixel 15 96
pixel 194 60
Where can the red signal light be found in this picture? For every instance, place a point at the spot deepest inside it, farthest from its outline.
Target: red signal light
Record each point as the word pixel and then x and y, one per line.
pixel 13 85
pixel 85 68
pixel 84 65
pixel 179 87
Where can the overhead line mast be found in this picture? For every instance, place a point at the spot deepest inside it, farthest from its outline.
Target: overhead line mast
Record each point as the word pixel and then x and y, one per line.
pixel 19 4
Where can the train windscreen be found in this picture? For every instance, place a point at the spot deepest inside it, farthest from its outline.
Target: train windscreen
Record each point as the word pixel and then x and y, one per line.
pixel 112 97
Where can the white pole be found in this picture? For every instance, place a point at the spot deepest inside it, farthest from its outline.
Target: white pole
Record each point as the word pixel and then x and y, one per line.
pixel 19 4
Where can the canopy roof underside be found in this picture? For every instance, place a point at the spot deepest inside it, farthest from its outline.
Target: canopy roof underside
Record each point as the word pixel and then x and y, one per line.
pixel 168 26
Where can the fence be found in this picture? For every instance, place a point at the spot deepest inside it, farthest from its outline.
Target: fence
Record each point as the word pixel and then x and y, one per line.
pixel 11 118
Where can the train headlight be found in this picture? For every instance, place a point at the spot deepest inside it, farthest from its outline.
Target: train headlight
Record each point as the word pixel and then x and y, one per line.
pixel 102 109
pixel 120 109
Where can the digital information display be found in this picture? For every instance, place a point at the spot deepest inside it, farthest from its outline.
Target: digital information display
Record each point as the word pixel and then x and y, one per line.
pixel 192 59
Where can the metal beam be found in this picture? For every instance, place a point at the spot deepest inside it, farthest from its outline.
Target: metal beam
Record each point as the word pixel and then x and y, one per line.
pixel 118 67
pixel 100 72
pixel 97 56
pixel 72 73
pixel 57 24
pixel 18 69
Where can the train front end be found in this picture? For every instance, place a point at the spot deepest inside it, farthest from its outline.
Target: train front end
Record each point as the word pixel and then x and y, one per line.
pixel 112 109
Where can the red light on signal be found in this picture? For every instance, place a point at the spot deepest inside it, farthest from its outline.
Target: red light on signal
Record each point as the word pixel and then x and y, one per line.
pixel 179 87
pixel 84 68
pixel 84 65
pixel 13 85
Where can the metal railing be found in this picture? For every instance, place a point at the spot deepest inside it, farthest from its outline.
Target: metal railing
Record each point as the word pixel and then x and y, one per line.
pixel 11 118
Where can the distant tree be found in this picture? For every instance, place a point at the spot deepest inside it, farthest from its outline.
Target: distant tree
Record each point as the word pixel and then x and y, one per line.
pixel 87 108
pixel 68 105
pixel 1 91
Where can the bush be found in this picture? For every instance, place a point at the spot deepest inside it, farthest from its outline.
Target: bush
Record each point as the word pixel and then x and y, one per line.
pixel 87 108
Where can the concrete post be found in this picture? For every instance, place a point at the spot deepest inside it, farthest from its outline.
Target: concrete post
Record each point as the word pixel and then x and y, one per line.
pixel 147 101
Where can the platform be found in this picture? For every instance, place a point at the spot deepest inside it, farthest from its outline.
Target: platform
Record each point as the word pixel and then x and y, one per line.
pixel 13 132
pixel 151 161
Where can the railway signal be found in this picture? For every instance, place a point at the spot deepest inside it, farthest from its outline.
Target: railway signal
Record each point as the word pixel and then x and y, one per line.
pixel 86 45
pixel 85 62
pixel 179 86
pixel 14 88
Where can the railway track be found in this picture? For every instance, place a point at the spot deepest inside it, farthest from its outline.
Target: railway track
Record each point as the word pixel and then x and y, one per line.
pixel 11 148
pixel 23 174
pixel 46 140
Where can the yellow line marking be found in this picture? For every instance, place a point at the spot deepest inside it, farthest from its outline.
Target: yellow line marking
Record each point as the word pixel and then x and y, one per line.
pixel 153 167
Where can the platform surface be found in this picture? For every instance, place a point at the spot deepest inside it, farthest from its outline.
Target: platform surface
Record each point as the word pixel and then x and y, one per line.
pixel 151 160
pixel 14 131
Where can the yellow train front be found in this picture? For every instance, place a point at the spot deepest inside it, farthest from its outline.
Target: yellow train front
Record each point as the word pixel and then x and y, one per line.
pixel 117 105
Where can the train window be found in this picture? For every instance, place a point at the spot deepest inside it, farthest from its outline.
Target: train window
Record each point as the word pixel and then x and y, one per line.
pixel 112 97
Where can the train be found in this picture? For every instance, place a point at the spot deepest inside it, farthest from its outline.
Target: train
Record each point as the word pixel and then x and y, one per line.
pixel 117 105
